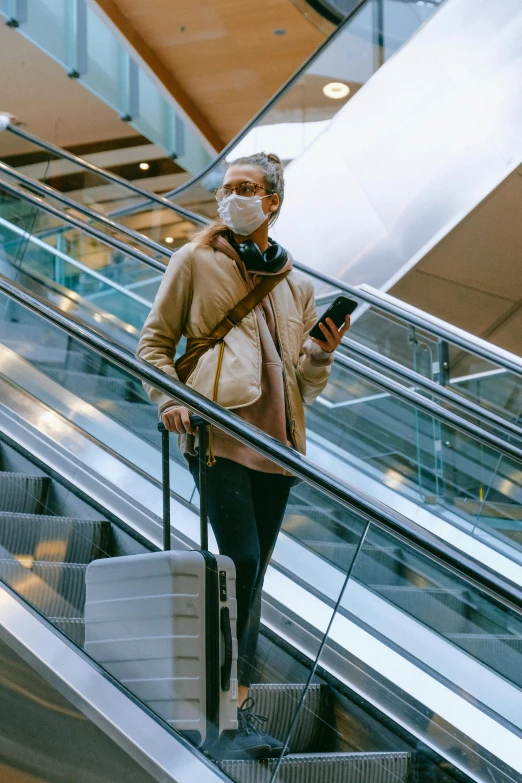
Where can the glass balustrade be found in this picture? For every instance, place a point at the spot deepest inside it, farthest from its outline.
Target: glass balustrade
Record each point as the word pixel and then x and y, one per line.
pixel 79 38
pixel 45 248
pixel 358 587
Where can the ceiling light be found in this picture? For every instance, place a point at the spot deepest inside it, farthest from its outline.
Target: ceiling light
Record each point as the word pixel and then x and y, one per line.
pixel 336 90
pixel 144 166
pixel 169 240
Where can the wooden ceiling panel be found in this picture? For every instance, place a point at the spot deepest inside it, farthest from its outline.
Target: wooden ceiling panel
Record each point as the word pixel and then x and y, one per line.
pixel 220 59
pixel 205 24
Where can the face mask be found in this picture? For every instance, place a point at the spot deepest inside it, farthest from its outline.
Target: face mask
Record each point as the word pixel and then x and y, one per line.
pixel 242 214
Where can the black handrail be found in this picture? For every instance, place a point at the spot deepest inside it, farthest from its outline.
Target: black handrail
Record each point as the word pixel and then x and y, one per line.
pixel 417 400
pixel 57 195
pixel 497 587
pixel 104 238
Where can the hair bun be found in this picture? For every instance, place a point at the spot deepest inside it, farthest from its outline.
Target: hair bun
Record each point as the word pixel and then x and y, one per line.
pixel 275 159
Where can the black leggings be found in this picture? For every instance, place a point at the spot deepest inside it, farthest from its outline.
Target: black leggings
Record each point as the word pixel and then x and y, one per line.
pixel 246 509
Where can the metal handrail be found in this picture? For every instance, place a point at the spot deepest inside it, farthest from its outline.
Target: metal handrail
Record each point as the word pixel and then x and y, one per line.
pixel 103 173
pixel 106 239
pixel 416 379
pixel 431 408
pixel 487 351
pixel 497 587
pixel 447 332
pixel 73 262
pixel 380 380
pixel 45 190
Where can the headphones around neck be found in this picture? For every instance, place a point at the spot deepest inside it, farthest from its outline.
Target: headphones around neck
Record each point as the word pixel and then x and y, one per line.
pixel 272 260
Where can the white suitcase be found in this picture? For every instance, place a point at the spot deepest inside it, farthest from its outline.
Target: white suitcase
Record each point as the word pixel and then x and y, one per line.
pixel 164 624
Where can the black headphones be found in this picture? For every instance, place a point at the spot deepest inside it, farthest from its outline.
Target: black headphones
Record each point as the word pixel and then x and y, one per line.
pixel 272 260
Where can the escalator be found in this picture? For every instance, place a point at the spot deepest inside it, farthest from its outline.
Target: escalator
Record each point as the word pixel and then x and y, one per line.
pixel 417 677
pixel 405 448
pixel 423 654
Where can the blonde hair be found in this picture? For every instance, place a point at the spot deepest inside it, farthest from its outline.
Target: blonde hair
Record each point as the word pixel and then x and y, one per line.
pixel 273 176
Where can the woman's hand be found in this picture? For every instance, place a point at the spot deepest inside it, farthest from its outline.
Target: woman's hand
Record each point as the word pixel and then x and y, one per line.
pixel 178 420
pixel 332 335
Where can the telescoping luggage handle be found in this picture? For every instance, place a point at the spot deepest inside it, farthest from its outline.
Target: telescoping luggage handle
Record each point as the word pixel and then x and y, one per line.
pixel 224 613
pixel 197 421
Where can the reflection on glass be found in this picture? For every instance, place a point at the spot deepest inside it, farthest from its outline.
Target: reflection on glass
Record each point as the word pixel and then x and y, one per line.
pixel 395 595
pixel 103 195
pixel 48 251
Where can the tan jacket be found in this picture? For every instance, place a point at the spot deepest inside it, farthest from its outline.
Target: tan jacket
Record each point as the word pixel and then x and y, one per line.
pixel 200 286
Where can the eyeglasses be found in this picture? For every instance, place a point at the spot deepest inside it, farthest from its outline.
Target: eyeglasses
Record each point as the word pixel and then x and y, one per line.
pixel 246 189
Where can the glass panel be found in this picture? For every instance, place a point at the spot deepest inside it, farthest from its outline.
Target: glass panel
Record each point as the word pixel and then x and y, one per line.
pixel 48 252
pixel 104 75
pixel 46 26
pixel 151 119
pixel 48 225
pixel 396 601
pixel 52 25
pixel 404 453
pixel 29 158
pixel 494 388
pixel 164 225
pixel 357 426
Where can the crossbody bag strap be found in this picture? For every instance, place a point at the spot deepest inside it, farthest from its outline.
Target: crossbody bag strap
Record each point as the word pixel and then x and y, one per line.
pixel 197 346
pixel 247 304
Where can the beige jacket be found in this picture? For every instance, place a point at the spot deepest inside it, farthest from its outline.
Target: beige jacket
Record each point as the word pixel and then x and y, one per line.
pixel 200 285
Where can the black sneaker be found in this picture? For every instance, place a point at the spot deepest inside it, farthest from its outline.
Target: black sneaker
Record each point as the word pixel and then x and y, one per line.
pixel 247 722
pixel 240 745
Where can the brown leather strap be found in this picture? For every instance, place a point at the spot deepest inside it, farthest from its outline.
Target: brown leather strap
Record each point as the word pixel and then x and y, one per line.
pixel 197 346
pixel 256 295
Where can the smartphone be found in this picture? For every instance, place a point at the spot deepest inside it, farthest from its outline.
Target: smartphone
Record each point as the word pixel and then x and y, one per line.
pixel 337 311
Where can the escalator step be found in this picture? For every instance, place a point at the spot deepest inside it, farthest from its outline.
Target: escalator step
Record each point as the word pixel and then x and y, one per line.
pixel 278 703
pixel 91 385
pixel 139 414
pixel 22 492
pixel 374 565
pixel 501 652
pixel 324 768
pixel 73 360
pixel 68 579
pixel 54 539
pixel 444 610
pixel 35 590
pixel 72 627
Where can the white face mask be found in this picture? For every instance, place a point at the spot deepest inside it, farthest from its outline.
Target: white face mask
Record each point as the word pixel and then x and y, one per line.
pixel 242 214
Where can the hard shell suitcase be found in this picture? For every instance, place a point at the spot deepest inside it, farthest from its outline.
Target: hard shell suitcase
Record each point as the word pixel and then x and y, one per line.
pixel 164 624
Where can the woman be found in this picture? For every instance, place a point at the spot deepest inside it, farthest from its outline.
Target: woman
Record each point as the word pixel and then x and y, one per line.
pixel 265 369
